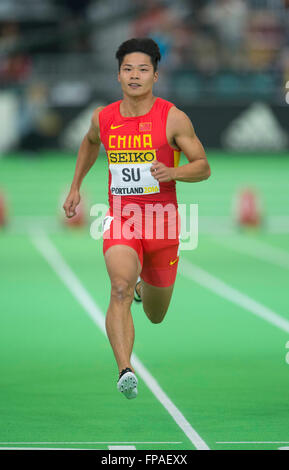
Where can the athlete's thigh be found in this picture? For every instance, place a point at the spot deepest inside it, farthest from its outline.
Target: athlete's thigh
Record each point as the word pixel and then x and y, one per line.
pixel 156 300
pixel 123 264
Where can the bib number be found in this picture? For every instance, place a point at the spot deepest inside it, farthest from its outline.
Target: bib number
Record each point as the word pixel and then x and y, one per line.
pixel 132 178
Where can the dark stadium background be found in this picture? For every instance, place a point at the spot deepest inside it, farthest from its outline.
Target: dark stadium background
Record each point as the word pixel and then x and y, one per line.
pixel 220 359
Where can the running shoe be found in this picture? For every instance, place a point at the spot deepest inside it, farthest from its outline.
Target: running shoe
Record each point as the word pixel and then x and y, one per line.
pixel 137 297
pixel 127 383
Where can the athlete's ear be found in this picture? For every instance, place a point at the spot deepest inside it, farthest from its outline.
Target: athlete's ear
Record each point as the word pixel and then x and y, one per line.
pixel 118 77
pixel 156 76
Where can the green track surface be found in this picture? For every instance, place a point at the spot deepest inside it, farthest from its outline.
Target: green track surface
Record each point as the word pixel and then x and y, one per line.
pixel 221 365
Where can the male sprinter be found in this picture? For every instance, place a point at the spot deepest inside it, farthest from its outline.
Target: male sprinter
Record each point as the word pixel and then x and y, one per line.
pixel 143 136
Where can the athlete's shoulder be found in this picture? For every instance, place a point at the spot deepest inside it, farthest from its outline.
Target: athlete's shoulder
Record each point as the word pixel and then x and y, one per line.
pixel 95 114
pixel 101 111
pixel 93 132
pixel 110 108
pixel 178 117
pixel 179 123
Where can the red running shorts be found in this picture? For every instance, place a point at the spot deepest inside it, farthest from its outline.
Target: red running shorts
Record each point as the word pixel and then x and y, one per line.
pixel 155 240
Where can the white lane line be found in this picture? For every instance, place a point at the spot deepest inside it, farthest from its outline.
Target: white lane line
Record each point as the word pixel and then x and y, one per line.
pixel 122 447
pixel 90 443
pixel 56 261
pixel 257 249
pixel 202 277
pixel 40 448
pixel 253 442
pixel 169 405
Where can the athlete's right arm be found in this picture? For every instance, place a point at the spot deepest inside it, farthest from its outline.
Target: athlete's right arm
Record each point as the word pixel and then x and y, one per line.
pixel 87 154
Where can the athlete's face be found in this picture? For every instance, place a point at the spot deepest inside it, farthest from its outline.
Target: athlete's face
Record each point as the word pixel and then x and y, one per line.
pixel 137 74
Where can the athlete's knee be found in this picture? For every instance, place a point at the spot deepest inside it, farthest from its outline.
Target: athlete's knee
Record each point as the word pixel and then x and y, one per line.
pixel 121 291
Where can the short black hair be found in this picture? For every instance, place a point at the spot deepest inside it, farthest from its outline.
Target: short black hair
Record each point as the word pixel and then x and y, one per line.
pixel 146 45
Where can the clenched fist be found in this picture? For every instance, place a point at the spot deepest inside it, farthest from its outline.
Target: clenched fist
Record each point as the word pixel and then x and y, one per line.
pixel 72 201
pixel 161 172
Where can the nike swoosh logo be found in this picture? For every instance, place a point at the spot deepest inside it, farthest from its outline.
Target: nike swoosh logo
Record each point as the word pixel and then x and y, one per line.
pixel 173 262
pixel 115 127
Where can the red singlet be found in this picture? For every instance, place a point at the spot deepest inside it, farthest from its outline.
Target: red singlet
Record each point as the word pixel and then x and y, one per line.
pixel 132 144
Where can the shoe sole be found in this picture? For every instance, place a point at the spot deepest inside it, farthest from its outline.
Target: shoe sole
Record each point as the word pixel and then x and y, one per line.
pixel 127 385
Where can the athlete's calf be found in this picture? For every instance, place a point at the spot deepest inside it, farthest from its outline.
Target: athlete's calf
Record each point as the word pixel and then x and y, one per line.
pixel 156 301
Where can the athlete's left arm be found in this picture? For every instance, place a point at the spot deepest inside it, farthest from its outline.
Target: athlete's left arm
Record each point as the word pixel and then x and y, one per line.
pixel 182 136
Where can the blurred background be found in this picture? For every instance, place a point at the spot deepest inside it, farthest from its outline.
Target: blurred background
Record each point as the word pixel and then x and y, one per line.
pixel 224 62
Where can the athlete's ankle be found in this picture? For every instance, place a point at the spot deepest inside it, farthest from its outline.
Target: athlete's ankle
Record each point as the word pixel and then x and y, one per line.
pixel 126 367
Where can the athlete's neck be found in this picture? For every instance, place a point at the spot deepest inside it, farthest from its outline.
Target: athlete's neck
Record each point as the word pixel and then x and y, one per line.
pixel 136 106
